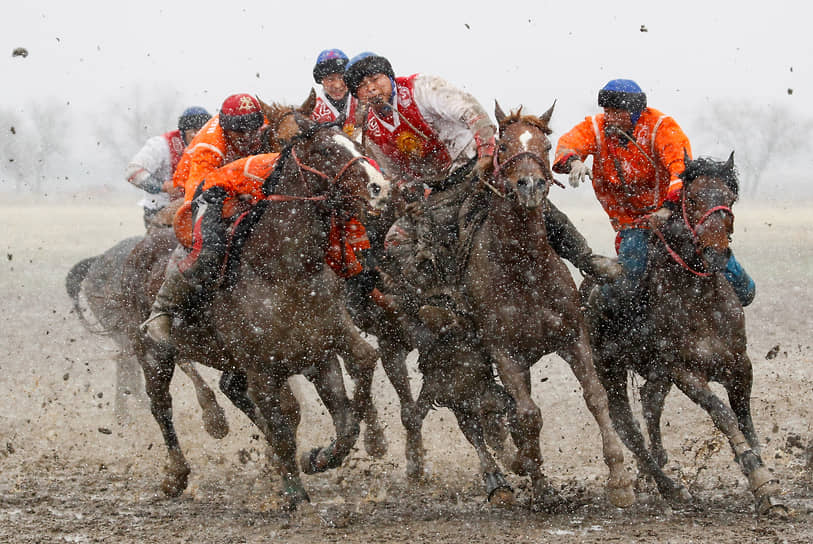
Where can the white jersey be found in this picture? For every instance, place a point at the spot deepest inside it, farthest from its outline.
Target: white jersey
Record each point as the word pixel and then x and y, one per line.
pixel 152 166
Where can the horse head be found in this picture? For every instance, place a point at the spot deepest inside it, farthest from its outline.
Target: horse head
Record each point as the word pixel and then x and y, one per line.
pixel 331 164
pixel 522 162
pixel 710 188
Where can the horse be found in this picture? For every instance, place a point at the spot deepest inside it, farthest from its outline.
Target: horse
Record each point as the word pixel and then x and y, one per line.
pixel 99 279
pixel 522 299
pixel 693 333
pixel 285 312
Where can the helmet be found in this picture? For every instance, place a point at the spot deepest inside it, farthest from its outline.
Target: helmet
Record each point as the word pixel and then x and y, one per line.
pixel 623 94
pixel 193 118
pixel 329 61
pixel 241 113
pixel 363 65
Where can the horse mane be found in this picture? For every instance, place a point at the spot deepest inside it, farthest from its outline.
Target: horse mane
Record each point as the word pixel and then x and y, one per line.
pixel 516 117
pixel 706 166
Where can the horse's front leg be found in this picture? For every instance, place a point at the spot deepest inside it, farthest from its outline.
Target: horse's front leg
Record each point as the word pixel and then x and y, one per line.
pixel 760 481
pixel 214 417
pixel 264 389
pixel 526 426
pixel 363 357
pixel 329 385
pixel 653 396
pixel 157 377
pixel 580 358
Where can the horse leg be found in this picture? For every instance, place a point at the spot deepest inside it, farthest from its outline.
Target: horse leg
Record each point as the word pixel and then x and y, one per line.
pixel 356 351
pixel 158 372
pixel 580 359
pixel 613 375
pixel 264 391
pixel 497 488
pixel 330 387
pixel 762 485
pixel 214 417
pixel 653 396
pixel 375 443
pixel 526 427
pixel 738 388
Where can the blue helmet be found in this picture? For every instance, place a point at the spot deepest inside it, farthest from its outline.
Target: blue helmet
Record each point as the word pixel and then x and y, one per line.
pixel 193 118
pixel 363 65
pixel 623 94
pixel 329 61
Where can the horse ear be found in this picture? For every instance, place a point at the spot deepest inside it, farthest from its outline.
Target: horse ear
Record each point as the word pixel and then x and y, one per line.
pixel 686 158
pixel 729 165
pixel 268 111
pixel 545 118
pixel 307 106
pixel 498 113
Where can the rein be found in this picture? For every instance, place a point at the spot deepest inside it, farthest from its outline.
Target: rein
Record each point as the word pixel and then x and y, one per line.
pixel 693 230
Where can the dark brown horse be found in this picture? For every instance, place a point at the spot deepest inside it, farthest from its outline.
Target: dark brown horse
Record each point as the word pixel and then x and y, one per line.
pixel 285 314
pixel 693 333
pixel 523 300
pixel 99 279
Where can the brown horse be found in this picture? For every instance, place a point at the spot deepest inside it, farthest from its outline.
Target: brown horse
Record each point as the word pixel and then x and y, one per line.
pixel 285 313
pixel 99 279
pixel 523 300
pixel 694 333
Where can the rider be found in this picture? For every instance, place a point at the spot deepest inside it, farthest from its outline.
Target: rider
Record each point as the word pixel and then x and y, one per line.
pixel 333 101
pixel 238 131
pixel 153 166
pixel 638 155
pixel 424 131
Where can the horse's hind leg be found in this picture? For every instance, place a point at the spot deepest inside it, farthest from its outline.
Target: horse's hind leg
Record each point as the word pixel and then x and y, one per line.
pixel 158 372
pixel 497 488
pixel 580 359
pixel 653 396
pixel 214 418
pixel 330 387
pixel 375 443
pixel 738 387
pixel 762 485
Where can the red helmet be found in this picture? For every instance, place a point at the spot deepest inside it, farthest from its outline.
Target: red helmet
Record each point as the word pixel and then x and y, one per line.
pixel 241 113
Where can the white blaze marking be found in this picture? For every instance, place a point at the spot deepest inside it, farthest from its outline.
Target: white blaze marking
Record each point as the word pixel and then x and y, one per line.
pixel 382 194
pixel 524 138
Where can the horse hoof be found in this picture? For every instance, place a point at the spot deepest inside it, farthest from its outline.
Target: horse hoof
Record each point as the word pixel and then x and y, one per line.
pixel 621 497
pixel 502 497
pixel 215 423
pixel 375 443
pixel 174 485
pixel 769 507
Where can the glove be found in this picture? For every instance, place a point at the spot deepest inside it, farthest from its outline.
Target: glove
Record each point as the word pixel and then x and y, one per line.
pixel 658 218
pixel 578 172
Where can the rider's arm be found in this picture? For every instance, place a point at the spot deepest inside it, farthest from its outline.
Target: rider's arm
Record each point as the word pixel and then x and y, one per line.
pixel 670 143
pixel 150 167
pixel 576 144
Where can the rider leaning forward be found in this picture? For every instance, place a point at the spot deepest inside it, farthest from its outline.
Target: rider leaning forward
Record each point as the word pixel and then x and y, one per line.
pixel 424 132
pixel 638 156
pixel 239 130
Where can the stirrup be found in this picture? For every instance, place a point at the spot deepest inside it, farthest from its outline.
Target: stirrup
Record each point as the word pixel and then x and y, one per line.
pixel 153 317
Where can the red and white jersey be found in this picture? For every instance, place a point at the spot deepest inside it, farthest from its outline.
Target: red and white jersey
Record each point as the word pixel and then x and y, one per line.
pixel 153 165
pixel 433 129
pixel 325 112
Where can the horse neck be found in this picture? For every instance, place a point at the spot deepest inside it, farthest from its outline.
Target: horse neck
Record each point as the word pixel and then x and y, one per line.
pixel 670 275
pixel 520 232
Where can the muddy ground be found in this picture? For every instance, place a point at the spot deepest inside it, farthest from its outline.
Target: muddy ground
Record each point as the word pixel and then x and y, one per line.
pixel 70 472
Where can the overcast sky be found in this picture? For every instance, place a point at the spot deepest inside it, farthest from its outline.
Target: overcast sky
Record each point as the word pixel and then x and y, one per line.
pixel 683 53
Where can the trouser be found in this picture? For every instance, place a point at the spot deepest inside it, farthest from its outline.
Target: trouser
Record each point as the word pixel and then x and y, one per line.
pixel 191 275
pixel 633 255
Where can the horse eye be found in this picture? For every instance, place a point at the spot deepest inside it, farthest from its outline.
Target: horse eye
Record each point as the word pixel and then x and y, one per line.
pixel 375 190
pixel 502 147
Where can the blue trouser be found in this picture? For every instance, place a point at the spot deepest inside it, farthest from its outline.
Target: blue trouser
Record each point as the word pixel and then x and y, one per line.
pixel 633 253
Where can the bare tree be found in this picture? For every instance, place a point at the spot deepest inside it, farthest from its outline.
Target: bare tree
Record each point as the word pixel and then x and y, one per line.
pixel 759 133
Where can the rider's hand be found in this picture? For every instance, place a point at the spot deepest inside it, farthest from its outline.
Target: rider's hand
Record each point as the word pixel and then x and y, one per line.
pixel 578 172
pixel 483 166
pixel 658 218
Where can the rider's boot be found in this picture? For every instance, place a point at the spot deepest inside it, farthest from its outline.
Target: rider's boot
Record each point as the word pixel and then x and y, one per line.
pixel 189 282
pixel 743 284
pixel 571 245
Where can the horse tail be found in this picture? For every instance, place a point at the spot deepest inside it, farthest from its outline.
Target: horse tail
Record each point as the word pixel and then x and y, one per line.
pixel 73 285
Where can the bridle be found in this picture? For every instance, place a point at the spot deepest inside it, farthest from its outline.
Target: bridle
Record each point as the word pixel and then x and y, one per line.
pixel 693 229
pixel 498 187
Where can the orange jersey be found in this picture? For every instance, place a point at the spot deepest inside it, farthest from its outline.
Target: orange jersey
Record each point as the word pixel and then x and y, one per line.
pixel 207 151
pixel 244 176
pixel 630 180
